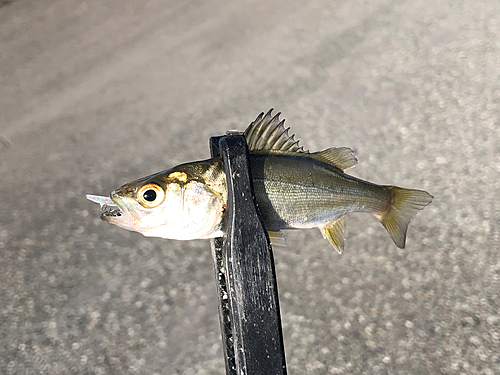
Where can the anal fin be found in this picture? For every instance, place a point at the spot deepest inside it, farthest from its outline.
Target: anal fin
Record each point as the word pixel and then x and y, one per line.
pixel 277 238
pixel 334 233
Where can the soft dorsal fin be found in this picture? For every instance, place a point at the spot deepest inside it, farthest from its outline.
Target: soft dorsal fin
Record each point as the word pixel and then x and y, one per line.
pixel 267 133
pixel 341 157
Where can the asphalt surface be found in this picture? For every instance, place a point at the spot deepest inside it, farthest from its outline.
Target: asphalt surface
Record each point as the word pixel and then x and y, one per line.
pixel 95 94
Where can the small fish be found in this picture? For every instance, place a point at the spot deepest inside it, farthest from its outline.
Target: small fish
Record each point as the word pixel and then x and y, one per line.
pixel 294 189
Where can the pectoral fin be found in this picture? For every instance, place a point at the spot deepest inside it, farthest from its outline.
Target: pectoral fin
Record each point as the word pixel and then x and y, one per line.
pixel 277 238
pixel 334 233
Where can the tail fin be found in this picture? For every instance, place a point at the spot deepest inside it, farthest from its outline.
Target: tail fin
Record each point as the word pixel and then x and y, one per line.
pixel 405 203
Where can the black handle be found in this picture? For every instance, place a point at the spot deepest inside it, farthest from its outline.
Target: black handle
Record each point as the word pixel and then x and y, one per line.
pixel 245 275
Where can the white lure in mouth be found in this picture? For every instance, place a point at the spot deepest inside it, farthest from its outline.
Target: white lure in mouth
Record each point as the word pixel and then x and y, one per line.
pixel 100 199
pixel 108 207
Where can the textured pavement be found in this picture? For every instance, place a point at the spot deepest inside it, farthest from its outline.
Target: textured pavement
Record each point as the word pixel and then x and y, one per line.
pixel 95 94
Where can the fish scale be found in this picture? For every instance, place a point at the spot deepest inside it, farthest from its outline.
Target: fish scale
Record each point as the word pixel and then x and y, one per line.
pixel 304 193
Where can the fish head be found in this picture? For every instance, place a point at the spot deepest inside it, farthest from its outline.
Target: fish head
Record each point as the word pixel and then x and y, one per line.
pixel 168 205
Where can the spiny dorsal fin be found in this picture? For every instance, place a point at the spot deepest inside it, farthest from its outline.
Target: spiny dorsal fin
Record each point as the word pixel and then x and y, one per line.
pixel 341 157
pixel 267 133
pixel 334 233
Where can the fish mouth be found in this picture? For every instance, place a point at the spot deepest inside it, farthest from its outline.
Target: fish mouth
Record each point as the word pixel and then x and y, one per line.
pixel 111 210
pixel 108 211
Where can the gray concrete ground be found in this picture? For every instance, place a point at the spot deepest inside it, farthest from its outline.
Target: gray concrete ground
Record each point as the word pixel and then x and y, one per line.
pixel 95 94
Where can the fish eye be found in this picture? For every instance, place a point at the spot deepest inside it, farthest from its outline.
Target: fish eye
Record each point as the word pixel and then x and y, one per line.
pixel 151 195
